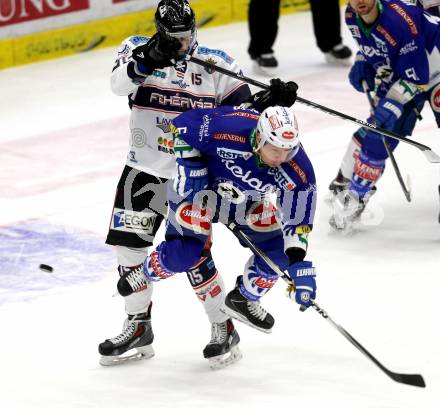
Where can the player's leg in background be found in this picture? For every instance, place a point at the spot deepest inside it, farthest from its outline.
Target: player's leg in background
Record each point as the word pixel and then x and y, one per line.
pixel 326 19
pixel 139 206
pixel 263 18
pixel 366 156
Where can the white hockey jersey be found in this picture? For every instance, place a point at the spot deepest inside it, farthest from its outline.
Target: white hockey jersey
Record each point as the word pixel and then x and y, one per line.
pixel 165 94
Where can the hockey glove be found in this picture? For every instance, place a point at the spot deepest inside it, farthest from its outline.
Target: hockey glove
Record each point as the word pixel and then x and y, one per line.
pixel 386 114
pixel 361 71
pixel 303 286
pixel 191 177
pixel 279 93
pixel 158 52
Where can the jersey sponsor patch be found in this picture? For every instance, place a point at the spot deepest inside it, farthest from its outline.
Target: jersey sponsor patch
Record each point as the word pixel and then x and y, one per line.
pixel 406 17
pixel 138 39
pixel 133 221
pixel 262 217
pixel 407 48
pixel 229 137
pixel 218 53
pixel 388 37
pixel 298 170
pixel 354 30
pixel 435 98
pixel 193 217
pixel 233 154
pixel 246 177
pixel 282 178
pixel 246 115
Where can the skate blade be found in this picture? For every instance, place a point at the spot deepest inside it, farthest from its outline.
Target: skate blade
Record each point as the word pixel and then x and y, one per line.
pixel 231 313
pixel 219 362
pixel 342 226
pixel 337 62
pixel 142 353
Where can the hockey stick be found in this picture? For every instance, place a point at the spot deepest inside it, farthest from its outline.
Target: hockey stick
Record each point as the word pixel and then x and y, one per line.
pixel 428 152
pixel 406 190
pixel 409 379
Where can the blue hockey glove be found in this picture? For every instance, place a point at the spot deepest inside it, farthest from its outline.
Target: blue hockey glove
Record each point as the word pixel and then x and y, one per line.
pixel 386 114
pixel 303 287
pixel 191 177
pixel 361 71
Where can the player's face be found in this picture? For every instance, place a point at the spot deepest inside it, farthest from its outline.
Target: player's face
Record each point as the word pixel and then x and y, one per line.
pixel 185 43
pixel 273 156
pixel 363 7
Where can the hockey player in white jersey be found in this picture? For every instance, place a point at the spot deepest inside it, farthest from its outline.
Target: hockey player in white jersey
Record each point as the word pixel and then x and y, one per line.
pixel 160 84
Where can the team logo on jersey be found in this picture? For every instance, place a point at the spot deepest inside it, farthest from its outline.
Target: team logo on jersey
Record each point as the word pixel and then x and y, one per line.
pixel 233 154
pixel 263 217
pixel 212 62
pixel 132 221
pixel 194 218
pixel 435 98
pixel 229 192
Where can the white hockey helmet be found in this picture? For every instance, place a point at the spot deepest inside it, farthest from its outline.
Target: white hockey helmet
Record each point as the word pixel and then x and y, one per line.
pixel 278 126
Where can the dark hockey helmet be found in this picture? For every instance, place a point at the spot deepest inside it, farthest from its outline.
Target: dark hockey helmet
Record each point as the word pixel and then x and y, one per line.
pixel 175 18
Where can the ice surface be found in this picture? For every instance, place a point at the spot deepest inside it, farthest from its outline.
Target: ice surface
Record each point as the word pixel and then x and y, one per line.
pixel 63 141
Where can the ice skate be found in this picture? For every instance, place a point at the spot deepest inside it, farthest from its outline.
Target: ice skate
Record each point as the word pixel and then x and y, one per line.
pixel 134 343
pixel 339 55
pixel 247 311
pixel 223 349
pixel 347 210
pixel 265 64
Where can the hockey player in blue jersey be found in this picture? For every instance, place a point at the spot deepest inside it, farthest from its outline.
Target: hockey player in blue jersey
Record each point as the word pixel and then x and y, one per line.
pixel 236 165
pixel 399 59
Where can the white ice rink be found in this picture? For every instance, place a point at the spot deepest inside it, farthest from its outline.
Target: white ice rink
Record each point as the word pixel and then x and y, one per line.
pixel 63 141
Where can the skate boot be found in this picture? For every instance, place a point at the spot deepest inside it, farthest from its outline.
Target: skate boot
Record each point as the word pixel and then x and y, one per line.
pixel 339 55
pixel 348 209
pixel 265 64
pixel 223 349
pixel 247 311
pixel 137 335
pixel 339 184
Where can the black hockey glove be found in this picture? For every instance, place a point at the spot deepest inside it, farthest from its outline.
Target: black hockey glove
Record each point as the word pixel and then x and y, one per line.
pixel 279 93
pixel 158 52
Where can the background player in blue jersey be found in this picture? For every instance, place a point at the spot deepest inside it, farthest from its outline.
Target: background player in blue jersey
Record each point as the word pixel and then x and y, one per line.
pixel 236 165
pixel 398 58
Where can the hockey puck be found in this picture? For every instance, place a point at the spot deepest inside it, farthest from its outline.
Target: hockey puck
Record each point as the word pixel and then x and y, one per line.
pixel 46 268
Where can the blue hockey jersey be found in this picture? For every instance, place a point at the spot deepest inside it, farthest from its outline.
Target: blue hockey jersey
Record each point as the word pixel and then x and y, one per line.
pixel 223 137
pixel 402 45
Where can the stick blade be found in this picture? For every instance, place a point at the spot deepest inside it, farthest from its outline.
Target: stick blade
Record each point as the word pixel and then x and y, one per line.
pixel 432 156
pixel 409 379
